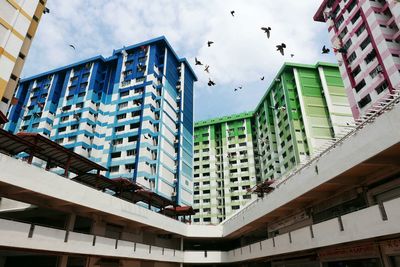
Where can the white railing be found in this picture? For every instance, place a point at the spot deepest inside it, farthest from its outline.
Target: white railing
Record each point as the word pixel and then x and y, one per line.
pixel 383 105
pixel 33 237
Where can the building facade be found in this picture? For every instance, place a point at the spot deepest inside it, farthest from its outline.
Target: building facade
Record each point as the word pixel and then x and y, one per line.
pixel 304 108
pixel 132 113
pixel 18 24
pixel 224 166
pixel 366 39
pixel 347 214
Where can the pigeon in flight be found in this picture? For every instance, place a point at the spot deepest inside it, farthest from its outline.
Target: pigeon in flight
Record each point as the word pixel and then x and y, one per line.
pixel 291 55
pixel 209 43
pixel 240 87
pixel 233 13
pixel 235 89
pixel 207 69
pixel 46 10
pixel 197 62
pixel 325 50
pixel 262 78
pixel 267 30
pixel 72 46
pixel 281 48
pixel 210 82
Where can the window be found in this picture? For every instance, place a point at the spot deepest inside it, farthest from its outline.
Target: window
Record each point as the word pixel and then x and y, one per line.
pixel 364 101
pixel 365 43
pixel 79 105
pixel 74 127
pixel 62 129
pixel 347 44
pixel 356 71
pixel 114 168
pixel 72 138
pixel 360 86
pixel 122 105
pixel 65 118
pixel 360 30
pixel 343 33
pixel 119 129
pixel 235 207
pixel 356 17
pixel 382 87
pixel 117 141
pixel 130 152
pixel 352 57
pixel 351 6
pixel 339 22
pixel 206 191
pixel 370 57
pixel 115 155
pixel 376 71
pixel 122 94
pixel 129 167
pixel 139 80
pixel 121 116
pixel 70 97
pixel 234 198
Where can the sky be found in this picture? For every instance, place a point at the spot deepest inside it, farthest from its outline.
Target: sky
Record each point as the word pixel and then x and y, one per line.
pixel 240 56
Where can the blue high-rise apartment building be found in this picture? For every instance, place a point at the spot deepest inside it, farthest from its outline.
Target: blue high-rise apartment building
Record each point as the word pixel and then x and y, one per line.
pixel 131 112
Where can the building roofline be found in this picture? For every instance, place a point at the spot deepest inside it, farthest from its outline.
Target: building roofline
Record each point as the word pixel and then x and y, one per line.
pixel 251 113
pixel 293 65
pixel 65 67
pixel 164 40
pixel 100 57
pixel 223 119
pixel 319 15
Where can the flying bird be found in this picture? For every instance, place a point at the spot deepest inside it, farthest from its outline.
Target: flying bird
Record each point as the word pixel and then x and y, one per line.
pixel 267 30
pixel 281 48
pixel 210 82
pixel 262 78
pixel 197 62
pixel 209 43
pixel 207 69
pixel 291 55
pixel 235 89
pixel 233 13
pixel 325 50
pixel 46 10
pixel 240 87
pixel 72 46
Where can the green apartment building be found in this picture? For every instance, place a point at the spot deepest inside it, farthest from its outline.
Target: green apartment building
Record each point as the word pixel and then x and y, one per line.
pixel 224 166
pixel 304 108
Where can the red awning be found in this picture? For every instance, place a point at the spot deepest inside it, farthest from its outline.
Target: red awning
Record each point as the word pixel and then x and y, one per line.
pixel 58 155
pixel 179 211
pixel 96 181
pixel 12 144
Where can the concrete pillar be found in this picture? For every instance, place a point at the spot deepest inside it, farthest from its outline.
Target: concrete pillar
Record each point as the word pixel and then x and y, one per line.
pixel 69 226
pixel 62 261
pixel 181 247
pixel 98 227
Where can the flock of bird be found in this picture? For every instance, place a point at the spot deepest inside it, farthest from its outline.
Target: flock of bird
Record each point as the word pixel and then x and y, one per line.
pixel 280 48
pixel 267 30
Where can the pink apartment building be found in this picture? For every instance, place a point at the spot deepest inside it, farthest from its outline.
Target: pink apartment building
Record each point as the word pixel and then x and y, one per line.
pixel 366 40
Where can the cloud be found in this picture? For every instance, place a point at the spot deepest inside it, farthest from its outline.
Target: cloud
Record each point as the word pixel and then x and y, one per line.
pixel 240 56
